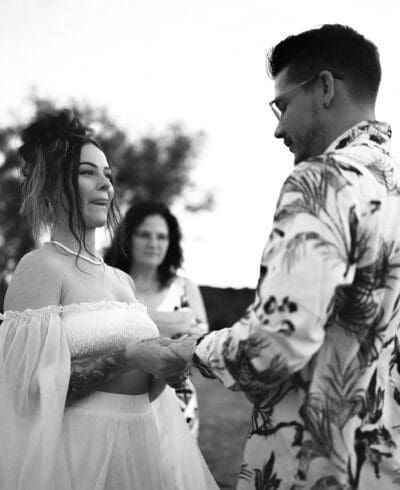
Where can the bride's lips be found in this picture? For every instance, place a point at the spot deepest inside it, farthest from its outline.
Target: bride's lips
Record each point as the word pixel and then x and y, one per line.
pixel 100 202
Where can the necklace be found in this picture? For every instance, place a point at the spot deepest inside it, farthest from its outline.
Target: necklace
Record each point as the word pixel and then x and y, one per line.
pixel 98 261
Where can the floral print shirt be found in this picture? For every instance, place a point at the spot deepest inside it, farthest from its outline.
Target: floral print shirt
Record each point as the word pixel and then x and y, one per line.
pixel 318 351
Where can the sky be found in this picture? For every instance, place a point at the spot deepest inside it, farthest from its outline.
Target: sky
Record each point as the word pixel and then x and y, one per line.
pixel 198 63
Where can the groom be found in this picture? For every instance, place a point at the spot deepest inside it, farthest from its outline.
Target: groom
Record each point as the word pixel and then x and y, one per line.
pixel 317 352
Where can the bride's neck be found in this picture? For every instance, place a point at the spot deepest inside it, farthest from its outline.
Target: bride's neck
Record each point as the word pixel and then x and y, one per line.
pixel 65 237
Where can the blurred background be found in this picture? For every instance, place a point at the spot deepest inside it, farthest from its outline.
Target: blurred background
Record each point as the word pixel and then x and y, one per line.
pixel 178 92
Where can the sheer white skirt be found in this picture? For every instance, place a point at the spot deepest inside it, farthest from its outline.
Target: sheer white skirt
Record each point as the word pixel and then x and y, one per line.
pixel 115 442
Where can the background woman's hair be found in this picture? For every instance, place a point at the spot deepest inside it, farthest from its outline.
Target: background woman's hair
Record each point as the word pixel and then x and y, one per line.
pixel 49 160
pixel 119 253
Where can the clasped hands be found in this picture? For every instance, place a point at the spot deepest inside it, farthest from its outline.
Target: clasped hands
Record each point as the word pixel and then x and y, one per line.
pixel 165 358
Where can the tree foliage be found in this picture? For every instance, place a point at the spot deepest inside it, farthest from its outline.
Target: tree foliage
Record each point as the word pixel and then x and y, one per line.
pixel 155 167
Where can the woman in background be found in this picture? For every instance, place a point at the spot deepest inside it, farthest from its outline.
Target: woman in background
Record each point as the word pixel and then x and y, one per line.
pixel 148 247
pixel 77 359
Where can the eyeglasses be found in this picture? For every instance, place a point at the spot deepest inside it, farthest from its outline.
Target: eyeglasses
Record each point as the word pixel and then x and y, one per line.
pixel 274 104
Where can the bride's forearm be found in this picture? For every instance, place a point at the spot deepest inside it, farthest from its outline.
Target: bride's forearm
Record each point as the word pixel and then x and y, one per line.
pixel 91 373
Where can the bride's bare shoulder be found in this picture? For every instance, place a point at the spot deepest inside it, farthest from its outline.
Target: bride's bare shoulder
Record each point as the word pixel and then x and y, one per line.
pixel 36 282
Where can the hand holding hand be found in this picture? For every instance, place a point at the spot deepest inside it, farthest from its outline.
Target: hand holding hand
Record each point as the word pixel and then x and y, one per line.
pixel 156 359
pixel 183 348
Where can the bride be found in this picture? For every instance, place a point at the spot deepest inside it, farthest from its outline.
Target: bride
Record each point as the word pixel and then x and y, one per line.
pixel 77 367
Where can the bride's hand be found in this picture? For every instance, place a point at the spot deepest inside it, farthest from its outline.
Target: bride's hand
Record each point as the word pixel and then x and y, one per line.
pixel 164 341
pixel 183 348
pixel 155 359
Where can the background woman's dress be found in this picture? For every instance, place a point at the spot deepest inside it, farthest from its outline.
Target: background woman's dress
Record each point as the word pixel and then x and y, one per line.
pixel 176 299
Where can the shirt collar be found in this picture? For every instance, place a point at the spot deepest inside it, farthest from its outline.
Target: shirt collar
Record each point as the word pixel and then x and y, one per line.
pixel 364 132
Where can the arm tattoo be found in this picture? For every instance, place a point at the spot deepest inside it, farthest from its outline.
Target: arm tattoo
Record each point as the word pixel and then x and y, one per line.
pixel 88 374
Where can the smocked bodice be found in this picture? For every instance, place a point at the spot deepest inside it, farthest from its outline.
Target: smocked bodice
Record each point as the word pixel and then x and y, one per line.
pixel 98 327
pixel 106 326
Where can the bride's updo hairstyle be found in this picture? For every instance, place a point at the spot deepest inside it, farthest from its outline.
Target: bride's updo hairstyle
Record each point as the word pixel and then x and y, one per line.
pixel 49 160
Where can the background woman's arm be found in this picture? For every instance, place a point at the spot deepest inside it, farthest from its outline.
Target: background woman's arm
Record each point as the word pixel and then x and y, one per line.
pixel 190 320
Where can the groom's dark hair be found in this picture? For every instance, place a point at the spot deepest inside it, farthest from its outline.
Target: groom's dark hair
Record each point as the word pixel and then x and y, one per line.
pixel 334 47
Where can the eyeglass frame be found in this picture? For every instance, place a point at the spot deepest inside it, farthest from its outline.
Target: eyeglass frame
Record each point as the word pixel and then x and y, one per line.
pixel 273 104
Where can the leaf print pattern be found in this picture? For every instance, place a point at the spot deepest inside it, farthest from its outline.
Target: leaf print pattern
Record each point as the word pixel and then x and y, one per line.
pixel 328 483
pixel 343 396
pixel 318 352
pixel 264 478
pixel 385 174
pixel 357 308
pixel 257 383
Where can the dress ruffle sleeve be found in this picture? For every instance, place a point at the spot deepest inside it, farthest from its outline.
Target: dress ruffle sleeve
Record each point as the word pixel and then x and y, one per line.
pixel 34 377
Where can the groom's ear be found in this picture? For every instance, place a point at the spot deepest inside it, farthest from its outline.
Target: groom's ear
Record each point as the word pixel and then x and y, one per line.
pixel 327 83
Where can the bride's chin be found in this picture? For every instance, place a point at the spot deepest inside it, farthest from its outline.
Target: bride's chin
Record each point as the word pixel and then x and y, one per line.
pixel 92 224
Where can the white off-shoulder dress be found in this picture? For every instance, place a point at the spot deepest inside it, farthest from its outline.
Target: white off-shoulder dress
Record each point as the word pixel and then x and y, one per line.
pixel 104 441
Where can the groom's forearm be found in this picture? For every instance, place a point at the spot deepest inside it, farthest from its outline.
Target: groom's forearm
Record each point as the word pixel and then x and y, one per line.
pixel 209 358
pixel 229 355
